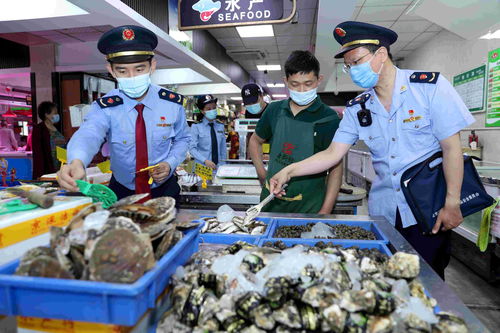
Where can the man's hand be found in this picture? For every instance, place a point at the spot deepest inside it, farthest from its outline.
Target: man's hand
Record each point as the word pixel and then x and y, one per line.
pixel 449 217
pixel 69 173
pixel 276 183
pixel 160 173
pixel 210 164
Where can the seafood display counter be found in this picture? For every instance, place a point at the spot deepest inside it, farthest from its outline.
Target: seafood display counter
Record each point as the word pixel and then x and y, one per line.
pixel 447 300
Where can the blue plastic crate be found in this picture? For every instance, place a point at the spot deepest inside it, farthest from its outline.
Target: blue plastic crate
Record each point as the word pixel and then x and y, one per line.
pixel 267 220
pixel 367 225
pixel 99 302
pixel 381 246
pixel 228 239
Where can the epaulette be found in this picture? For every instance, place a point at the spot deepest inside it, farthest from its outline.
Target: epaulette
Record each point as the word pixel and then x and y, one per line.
pixel 424 77
pixel 360 99
pixel 171 96
pixel 109 101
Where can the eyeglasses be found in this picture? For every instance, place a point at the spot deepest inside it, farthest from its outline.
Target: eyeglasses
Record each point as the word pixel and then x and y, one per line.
pixel 347 68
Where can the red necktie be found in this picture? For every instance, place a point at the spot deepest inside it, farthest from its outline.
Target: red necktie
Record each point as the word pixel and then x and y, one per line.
pixel 141 153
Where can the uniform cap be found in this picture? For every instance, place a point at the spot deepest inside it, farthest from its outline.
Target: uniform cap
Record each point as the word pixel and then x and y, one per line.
pixel 352 34
pixel 128 44
pixel 204 100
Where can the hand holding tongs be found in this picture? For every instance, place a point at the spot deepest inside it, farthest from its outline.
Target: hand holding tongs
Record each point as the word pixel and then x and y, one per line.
pixel 254 211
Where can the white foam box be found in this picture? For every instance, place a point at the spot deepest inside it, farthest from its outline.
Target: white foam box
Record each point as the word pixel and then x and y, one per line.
pixel 24 230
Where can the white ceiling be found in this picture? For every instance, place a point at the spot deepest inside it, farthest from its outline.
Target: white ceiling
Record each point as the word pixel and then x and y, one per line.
pixel 288 37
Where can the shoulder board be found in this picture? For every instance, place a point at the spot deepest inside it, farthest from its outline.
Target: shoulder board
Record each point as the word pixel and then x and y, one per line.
pixel 109 101
pixel 363 98
pixel 424 77
pixel 171 96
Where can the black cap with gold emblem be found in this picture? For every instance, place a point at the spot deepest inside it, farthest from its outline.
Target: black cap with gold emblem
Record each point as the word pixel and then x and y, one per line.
pixel 352 34
pixel 128 44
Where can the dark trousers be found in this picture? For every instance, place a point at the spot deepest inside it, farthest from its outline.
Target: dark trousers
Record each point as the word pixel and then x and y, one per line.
pixel 434 249
pixel 170 188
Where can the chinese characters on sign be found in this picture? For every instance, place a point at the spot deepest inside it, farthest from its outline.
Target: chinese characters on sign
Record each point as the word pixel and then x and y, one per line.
pixel 493 100
pixel 470 86
pixel 203 14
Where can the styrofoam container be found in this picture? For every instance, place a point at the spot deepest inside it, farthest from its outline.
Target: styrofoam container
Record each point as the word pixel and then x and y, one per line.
pixel 367 225
pixel 24 230
pixel 89 301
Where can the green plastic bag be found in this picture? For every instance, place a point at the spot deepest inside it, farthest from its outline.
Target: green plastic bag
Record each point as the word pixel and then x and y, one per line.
pixel 484 230
pixel 98 193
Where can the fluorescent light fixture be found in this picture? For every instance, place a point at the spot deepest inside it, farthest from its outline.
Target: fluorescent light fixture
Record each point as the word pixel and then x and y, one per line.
pixel 276 85
pixel 280 96
pixel 491 35
pixel 251 31
pixel 29 9
pixel 269 67
pixel 237 98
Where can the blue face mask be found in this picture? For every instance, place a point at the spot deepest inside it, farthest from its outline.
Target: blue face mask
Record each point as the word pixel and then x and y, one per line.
pixel 363 75
pixel 211 114
pixel 253 108
pixel 56 118
pixel 136 86
pixel 303 98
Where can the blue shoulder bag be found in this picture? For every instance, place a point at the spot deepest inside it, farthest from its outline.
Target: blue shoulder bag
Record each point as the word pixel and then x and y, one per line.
pixel 424 187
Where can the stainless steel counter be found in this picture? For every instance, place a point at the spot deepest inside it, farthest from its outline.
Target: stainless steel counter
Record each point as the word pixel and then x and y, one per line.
pixel 447 299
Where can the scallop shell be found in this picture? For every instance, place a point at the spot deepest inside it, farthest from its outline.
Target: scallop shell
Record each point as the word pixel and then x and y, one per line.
pixel 119 256
pixel 43 266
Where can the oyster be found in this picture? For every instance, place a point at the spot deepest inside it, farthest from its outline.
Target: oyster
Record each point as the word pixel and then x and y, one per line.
pixel 263 317
pixel 449 323
pixel 310 318
pixel 403 266
pixel 247 303
pixel 276 291
pixel 334 319
pixel 119 256
pixel 355 322
pixel 413 324
pixel 377 324
pixel 358 300
pixel 288 315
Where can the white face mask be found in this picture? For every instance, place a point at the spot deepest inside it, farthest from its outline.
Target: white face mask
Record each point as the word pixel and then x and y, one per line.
pixel 303 97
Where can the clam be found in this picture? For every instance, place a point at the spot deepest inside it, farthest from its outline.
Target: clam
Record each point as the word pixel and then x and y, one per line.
pixel 449 323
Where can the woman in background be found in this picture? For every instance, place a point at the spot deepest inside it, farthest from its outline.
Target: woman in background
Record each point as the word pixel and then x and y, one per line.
pixel 45 139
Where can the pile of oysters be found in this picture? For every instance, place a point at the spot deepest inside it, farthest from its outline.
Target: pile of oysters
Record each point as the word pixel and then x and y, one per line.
pixel 115 245
pixel 243 288
pixel 237 225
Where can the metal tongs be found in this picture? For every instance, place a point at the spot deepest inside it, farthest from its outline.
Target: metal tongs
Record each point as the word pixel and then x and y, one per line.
pixel 254 211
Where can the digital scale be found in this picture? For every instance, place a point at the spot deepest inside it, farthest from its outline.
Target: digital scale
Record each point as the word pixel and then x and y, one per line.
pixel 243 127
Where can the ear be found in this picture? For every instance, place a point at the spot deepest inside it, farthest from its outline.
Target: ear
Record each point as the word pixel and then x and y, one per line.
pixel 110 69
pixel 320 79
pixel 285 80
pixel 385 54
pixel 153 65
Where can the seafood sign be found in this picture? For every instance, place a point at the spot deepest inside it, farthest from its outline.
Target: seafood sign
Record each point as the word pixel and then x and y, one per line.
pixel 201 14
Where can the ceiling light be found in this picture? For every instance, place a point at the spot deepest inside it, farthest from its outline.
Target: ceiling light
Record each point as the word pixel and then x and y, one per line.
pixel 280 96
pixel 237 98
pixel 251 31
pixel 276 85
pixel 269 67
pixel 491 35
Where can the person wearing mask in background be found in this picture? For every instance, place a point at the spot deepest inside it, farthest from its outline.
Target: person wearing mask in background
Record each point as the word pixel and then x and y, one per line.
pixel 253 99
pixel 412 116
pixel 7 139
pixel 45 139
pixel 144 123
pixel 297 128
pixel 208 142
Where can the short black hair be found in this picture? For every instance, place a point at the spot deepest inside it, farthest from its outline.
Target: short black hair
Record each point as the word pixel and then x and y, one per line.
pixel 301 62
pixel 373 48
pixel 45 108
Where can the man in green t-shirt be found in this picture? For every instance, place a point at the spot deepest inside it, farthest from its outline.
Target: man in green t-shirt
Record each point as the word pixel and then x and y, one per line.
pixel 297 128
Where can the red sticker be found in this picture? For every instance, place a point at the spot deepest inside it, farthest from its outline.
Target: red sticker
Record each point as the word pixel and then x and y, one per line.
pixel 423 76
pixel 171 96
pixel 411 112
pixel 128 34
pixel 110 100
pixel 339 31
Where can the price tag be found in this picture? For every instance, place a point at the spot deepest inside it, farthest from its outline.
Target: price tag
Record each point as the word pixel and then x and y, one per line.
pixel 105 166
pixel 203 171
pixel 61 155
